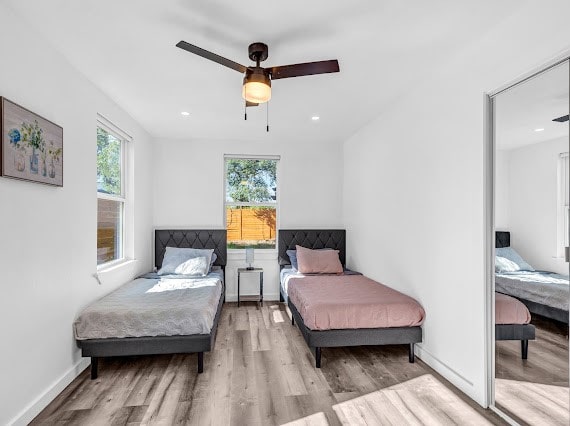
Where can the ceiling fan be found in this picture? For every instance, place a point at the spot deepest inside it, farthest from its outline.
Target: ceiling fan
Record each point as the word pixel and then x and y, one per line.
pixel 562 119
pixel 257 80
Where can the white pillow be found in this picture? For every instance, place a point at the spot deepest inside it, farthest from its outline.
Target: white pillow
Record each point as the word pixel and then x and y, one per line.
pixel 195 266
pixel 502 264
pixel 176 256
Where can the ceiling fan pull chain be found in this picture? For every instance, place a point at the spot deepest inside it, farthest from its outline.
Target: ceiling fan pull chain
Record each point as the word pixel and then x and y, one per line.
pixel 267 116
pixel 245 110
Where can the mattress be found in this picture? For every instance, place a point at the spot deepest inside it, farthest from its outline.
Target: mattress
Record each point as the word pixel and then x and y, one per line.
pixel 545 288
pixel 332 302
pixel 287 273
pixel 509 310
pixel 153 306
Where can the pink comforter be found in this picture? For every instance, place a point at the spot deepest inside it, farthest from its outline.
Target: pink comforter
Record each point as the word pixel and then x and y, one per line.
pixel 509 310
pixel 351 301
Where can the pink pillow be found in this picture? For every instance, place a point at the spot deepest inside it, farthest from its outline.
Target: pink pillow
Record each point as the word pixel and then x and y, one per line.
pixel 318 261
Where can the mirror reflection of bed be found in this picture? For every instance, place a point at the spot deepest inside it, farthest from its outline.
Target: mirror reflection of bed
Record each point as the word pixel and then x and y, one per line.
pixel 531 272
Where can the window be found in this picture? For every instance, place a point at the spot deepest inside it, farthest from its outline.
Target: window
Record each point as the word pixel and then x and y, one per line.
pixel 563 205
pixel 251 202
pixel 111 195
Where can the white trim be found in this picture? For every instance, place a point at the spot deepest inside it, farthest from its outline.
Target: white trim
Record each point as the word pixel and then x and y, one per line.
pixel 252 157
pixel 489 247
pixel 503 416
pixel 260 204
pixel 489 215
pixel 267 297
pixel 275 205
pixel 111 197
pixel 111 127
pixel 460 382
pixel 114 264
pixel 535 72
pixel 44 399
pixel 125 198
pixel 562 216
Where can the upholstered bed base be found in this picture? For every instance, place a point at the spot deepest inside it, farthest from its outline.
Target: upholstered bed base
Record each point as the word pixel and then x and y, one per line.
pixel 130 346
pixel 355 337
pixel 522 332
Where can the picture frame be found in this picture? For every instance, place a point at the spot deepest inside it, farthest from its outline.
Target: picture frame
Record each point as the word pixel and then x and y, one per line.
pixel 31 146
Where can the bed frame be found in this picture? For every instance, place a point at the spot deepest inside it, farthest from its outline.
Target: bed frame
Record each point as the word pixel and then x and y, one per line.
pixel 522 332
pixel 336 239
pixel 199 343
pixel 503 239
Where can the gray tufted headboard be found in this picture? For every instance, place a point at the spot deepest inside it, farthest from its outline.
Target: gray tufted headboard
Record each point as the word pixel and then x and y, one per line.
pixel 194 238
pixel 502 239
pixel 313 239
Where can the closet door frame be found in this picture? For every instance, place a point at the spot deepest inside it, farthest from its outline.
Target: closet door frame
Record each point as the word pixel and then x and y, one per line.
pixel 489 151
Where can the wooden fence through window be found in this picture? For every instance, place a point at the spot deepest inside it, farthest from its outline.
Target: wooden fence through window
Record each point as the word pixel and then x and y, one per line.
pixel 251 224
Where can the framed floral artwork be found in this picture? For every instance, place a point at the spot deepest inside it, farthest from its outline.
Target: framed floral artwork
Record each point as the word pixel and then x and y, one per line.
pixel 32 146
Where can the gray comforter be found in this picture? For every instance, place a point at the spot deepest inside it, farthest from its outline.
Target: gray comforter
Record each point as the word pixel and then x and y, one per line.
pixel 546 288
pixel 153 306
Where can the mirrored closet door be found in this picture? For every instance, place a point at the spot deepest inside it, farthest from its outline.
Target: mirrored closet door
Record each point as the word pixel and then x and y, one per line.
pixel 531 215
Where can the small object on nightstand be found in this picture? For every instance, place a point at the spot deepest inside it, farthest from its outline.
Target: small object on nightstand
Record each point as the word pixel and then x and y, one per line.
pixel 253 297
pixel 249 257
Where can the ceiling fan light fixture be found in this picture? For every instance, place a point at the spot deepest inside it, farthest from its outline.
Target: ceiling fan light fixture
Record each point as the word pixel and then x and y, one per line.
pixel 256 86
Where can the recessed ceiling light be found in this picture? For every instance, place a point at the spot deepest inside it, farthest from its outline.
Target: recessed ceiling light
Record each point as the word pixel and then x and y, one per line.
pixel 539 130
pixel 185 113
pixel 315 118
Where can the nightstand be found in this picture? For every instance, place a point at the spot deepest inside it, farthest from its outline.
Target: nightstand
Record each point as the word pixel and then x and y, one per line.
pixel 255 297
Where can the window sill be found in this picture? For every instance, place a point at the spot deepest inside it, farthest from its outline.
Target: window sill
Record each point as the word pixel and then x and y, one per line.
pixel 260 254
pixel 114 265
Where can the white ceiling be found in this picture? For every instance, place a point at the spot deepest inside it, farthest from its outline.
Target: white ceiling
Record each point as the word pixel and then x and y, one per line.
pixel 384 48
pixel 532 105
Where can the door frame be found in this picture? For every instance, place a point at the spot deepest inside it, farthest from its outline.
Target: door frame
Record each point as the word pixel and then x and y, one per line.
pixel 489 168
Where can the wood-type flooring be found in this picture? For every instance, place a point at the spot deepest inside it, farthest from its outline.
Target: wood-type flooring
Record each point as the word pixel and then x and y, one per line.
pixel 535 391
pixel 261 372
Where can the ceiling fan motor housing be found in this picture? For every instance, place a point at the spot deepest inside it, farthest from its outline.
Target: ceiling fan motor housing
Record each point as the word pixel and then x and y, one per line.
pixel 258 51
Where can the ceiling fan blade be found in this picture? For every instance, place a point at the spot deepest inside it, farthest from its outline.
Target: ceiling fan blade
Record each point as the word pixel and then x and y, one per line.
pixel 211 56
pixel 250 104
pixel 562 119
pixel 308 68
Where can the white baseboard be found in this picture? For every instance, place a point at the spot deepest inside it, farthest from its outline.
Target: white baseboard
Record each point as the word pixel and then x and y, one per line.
pixel 268 297
pixel 42 401
pixel 449 373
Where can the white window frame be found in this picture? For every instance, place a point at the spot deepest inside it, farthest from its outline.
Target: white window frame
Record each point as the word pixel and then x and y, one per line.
pixel 264 204
pixel 563 207
pixel 124 197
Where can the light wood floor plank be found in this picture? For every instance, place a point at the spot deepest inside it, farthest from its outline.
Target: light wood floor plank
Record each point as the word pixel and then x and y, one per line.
pixel 261 372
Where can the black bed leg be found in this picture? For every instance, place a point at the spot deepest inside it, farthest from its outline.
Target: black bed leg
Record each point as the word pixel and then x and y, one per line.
pixel 281 299
pixel 318 357
pixel 200 362
pixel 524 349
pixel 94 365
pixel 411 355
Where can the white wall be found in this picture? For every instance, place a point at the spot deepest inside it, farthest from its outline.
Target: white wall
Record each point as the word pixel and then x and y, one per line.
pixel 189 191
pixel 502 168
pixel 414 188
pixel 533 188
pixel 48 235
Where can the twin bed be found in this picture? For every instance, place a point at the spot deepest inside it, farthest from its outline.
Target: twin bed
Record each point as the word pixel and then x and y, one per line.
pixel 159 314
pixel 523 291
pixel 344 309
pixel 544 293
